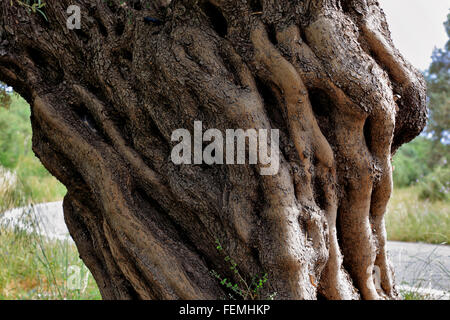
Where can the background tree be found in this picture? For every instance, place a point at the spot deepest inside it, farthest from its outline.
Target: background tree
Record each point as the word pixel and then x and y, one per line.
pixel 438 81
pixel 424 162
pixel 106 98
pixel 5 98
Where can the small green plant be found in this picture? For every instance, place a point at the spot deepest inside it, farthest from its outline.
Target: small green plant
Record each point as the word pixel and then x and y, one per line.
pixel 246 291
pixel 32 6
pixel 418 293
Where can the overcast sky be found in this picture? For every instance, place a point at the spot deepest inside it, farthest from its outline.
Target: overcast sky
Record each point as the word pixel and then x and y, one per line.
pixel 417 27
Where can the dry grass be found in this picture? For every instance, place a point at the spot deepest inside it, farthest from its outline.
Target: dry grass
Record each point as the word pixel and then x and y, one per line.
pixel 413 220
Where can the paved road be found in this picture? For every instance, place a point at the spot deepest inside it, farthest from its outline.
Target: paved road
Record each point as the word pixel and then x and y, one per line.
pixel 416 265
pixel 421 265
pixel 49 215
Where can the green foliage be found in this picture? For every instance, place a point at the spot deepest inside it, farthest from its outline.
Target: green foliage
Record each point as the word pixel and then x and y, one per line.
pixel 34 267
pixel 246 291
pixel 426 158
pixel 31 266
pixel 412 163
pixel 438 79
pixel 5 97
pixel 424 161
pixel 436 185
pixel 15 138
pixel 35 6
pixel 33 182
pixel 414 220
pixel 418 294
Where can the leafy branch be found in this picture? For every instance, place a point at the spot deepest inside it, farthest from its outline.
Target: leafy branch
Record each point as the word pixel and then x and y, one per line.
pixel 32 6
pixel 246 291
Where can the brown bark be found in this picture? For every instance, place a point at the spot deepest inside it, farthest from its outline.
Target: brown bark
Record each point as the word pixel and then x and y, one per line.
pixel 105 100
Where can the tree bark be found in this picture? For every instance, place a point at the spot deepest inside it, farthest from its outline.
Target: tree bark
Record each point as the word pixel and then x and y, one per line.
pixel 105 100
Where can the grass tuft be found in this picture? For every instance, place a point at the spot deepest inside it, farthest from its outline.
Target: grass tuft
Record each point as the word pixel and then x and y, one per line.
pixel 411 219
pixel 32 266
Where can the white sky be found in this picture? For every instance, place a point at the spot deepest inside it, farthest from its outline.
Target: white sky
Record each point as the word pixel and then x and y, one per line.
pixel 417 27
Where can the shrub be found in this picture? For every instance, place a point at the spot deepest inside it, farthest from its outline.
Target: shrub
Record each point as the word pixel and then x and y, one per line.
pixel 411 162
pixel 436 185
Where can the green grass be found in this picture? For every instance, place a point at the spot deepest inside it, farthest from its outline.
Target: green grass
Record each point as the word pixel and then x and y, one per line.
pixel 414 220
pixel 34 267
pixel 31 266
pixel 413 294
pixel 34 182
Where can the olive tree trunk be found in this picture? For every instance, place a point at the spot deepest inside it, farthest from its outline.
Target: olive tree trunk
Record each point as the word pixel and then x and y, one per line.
pixel 106 98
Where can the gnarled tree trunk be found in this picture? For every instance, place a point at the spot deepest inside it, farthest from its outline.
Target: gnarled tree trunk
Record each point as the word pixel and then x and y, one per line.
pixel 105 100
